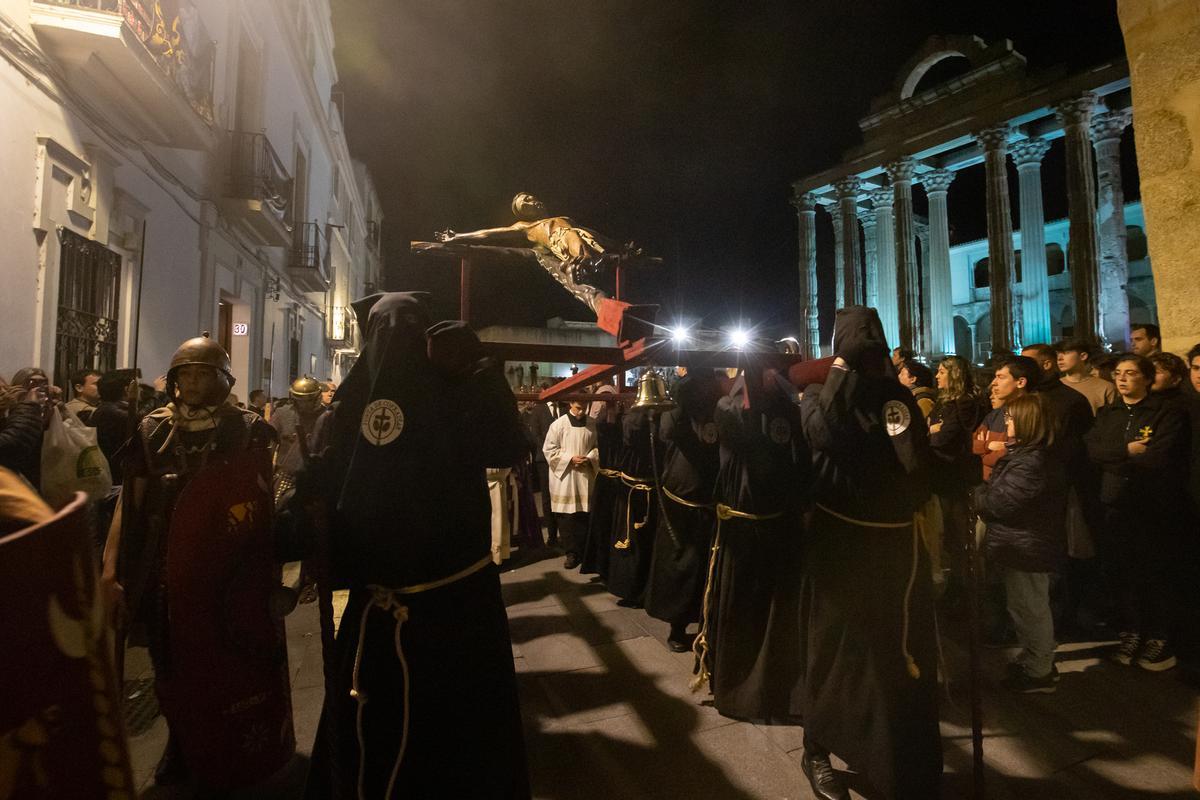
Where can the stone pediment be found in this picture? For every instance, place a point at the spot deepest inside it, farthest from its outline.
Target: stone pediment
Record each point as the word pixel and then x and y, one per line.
pixel 989 66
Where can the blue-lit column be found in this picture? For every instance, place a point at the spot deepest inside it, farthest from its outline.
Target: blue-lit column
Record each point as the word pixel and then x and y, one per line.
pixel 1035 286
pixel 941 301
pixel 885 249
pixel 810 323
pixel 907 281
pixel 847 194
pixel 870 259
pixel 1000 240
pixel 1114 259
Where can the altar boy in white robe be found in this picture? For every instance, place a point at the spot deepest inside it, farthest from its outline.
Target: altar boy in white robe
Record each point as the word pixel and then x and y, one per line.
pixel 573 457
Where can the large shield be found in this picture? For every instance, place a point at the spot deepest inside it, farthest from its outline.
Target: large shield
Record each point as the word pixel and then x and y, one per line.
pixel 227 693
pixel 61 732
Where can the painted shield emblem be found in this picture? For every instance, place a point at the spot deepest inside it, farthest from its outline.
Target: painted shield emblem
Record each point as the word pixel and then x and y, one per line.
pixel 780 430
pixel 708 433
pixel 382 422
pixel 896 417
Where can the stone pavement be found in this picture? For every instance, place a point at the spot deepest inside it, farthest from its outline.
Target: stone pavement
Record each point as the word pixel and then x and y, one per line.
pixel 609 714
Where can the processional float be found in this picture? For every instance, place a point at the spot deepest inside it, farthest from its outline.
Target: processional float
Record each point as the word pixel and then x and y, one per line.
pixel 574 256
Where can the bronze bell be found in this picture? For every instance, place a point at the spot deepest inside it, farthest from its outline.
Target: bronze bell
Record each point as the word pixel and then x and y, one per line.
pixel 652 392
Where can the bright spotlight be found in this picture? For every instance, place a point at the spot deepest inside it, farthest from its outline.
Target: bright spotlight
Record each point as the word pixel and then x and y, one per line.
pixel 679 335
pixel 739 338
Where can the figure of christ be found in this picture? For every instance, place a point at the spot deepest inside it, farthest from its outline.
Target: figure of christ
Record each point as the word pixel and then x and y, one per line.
pixel 560 246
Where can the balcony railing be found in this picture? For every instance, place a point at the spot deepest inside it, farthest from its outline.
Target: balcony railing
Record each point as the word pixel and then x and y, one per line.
pixel 309 261
pixel 175 38
pixel 256 173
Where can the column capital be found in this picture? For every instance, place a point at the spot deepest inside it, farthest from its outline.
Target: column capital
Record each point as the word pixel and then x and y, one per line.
pixel 1076 110
pixel 902 169
pixel 994 138
pixel 804 202
pixel 938 180
pixel 1029 152
pixel 882 198
pixel 866 217
pixel 848 187
pixel 1109 125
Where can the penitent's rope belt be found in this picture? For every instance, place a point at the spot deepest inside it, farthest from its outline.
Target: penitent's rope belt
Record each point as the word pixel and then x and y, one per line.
pixel 918 526
pixel 634 485
pixel 700 644
pixel 388 600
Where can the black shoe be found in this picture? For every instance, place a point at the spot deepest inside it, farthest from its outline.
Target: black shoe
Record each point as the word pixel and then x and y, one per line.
pixel 170 770
pixel 1157 656
pixel 826 783
pixel 1128 649
pixel 679 641
pixel 571 561
pixel 1018 680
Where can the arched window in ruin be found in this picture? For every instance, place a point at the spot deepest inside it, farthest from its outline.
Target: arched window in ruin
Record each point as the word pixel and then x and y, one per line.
pixel 1135 243
pixel 982 279
pixel 1056 260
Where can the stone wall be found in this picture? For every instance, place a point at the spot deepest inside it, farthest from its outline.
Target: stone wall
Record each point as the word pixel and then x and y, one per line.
pixel 1162 40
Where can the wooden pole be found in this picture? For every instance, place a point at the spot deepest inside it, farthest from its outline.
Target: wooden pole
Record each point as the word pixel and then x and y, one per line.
pixel 464 289
pixel 973 647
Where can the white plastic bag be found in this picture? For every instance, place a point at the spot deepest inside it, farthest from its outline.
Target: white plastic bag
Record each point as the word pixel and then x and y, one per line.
pixel 72 461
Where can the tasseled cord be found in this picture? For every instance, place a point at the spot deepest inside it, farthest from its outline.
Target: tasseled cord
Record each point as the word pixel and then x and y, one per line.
pixel 387 601
pixel 910 663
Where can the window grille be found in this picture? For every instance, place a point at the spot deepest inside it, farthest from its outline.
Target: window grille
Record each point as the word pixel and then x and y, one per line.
pixel 89 301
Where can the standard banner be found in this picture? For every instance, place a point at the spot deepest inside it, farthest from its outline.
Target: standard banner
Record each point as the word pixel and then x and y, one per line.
pixel 61 731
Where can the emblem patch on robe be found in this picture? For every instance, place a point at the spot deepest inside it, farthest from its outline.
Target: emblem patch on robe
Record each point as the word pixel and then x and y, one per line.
pixel 780 430
pixel 896 417
pixel 708 433
pixel 382 422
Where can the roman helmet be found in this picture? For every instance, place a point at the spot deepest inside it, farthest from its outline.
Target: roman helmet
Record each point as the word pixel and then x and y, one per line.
pixel 305 392
pixel 203 351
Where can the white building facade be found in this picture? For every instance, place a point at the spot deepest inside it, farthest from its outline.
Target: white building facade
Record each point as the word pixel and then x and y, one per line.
pixel 172 167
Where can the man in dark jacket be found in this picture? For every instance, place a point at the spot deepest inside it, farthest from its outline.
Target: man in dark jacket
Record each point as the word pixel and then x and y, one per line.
pixel 1140 444
pixel 21 430
pixel 869 650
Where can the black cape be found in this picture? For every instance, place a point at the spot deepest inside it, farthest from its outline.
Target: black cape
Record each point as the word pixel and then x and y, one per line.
pixel 683 536
pixel 754 630
pixel 871 454
pixel 634 511
pixel 602 503
pixel 417 421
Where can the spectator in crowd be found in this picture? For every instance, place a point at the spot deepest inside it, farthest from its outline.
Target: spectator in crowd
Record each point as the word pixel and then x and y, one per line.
pixel 919 378
pixel 21 428
pixel 1170 376
pixel 327 392
pixel 957 412
pixel 1075 368
pixel 1103 368
pixel 111 420
pixel 30 461
pixel 900 356
pixel 258 402
pixel 1068 412
pixel 1144 340
pixel 87 393
pixel 1014 378
pixel 1139 442
pixel 1022 507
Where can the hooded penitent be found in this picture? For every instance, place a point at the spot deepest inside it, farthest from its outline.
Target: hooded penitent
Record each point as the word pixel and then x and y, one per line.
pixel 868 648
pixel 421 417
pixel 421 674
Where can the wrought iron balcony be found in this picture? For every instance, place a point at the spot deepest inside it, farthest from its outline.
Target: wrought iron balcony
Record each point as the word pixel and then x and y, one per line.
pixel 309 261
pixel 155 68
pixel 259 189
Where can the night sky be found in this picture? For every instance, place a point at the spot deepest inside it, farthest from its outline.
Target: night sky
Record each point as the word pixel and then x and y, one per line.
pixel 679 124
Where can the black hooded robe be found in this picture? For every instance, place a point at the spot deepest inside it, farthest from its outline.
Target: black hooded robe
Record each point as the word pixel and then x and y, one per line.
pixel 634 511
pixel 417 422
pixel 867 596
pixel 754 628
pixel 688 435
pixel 601 505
